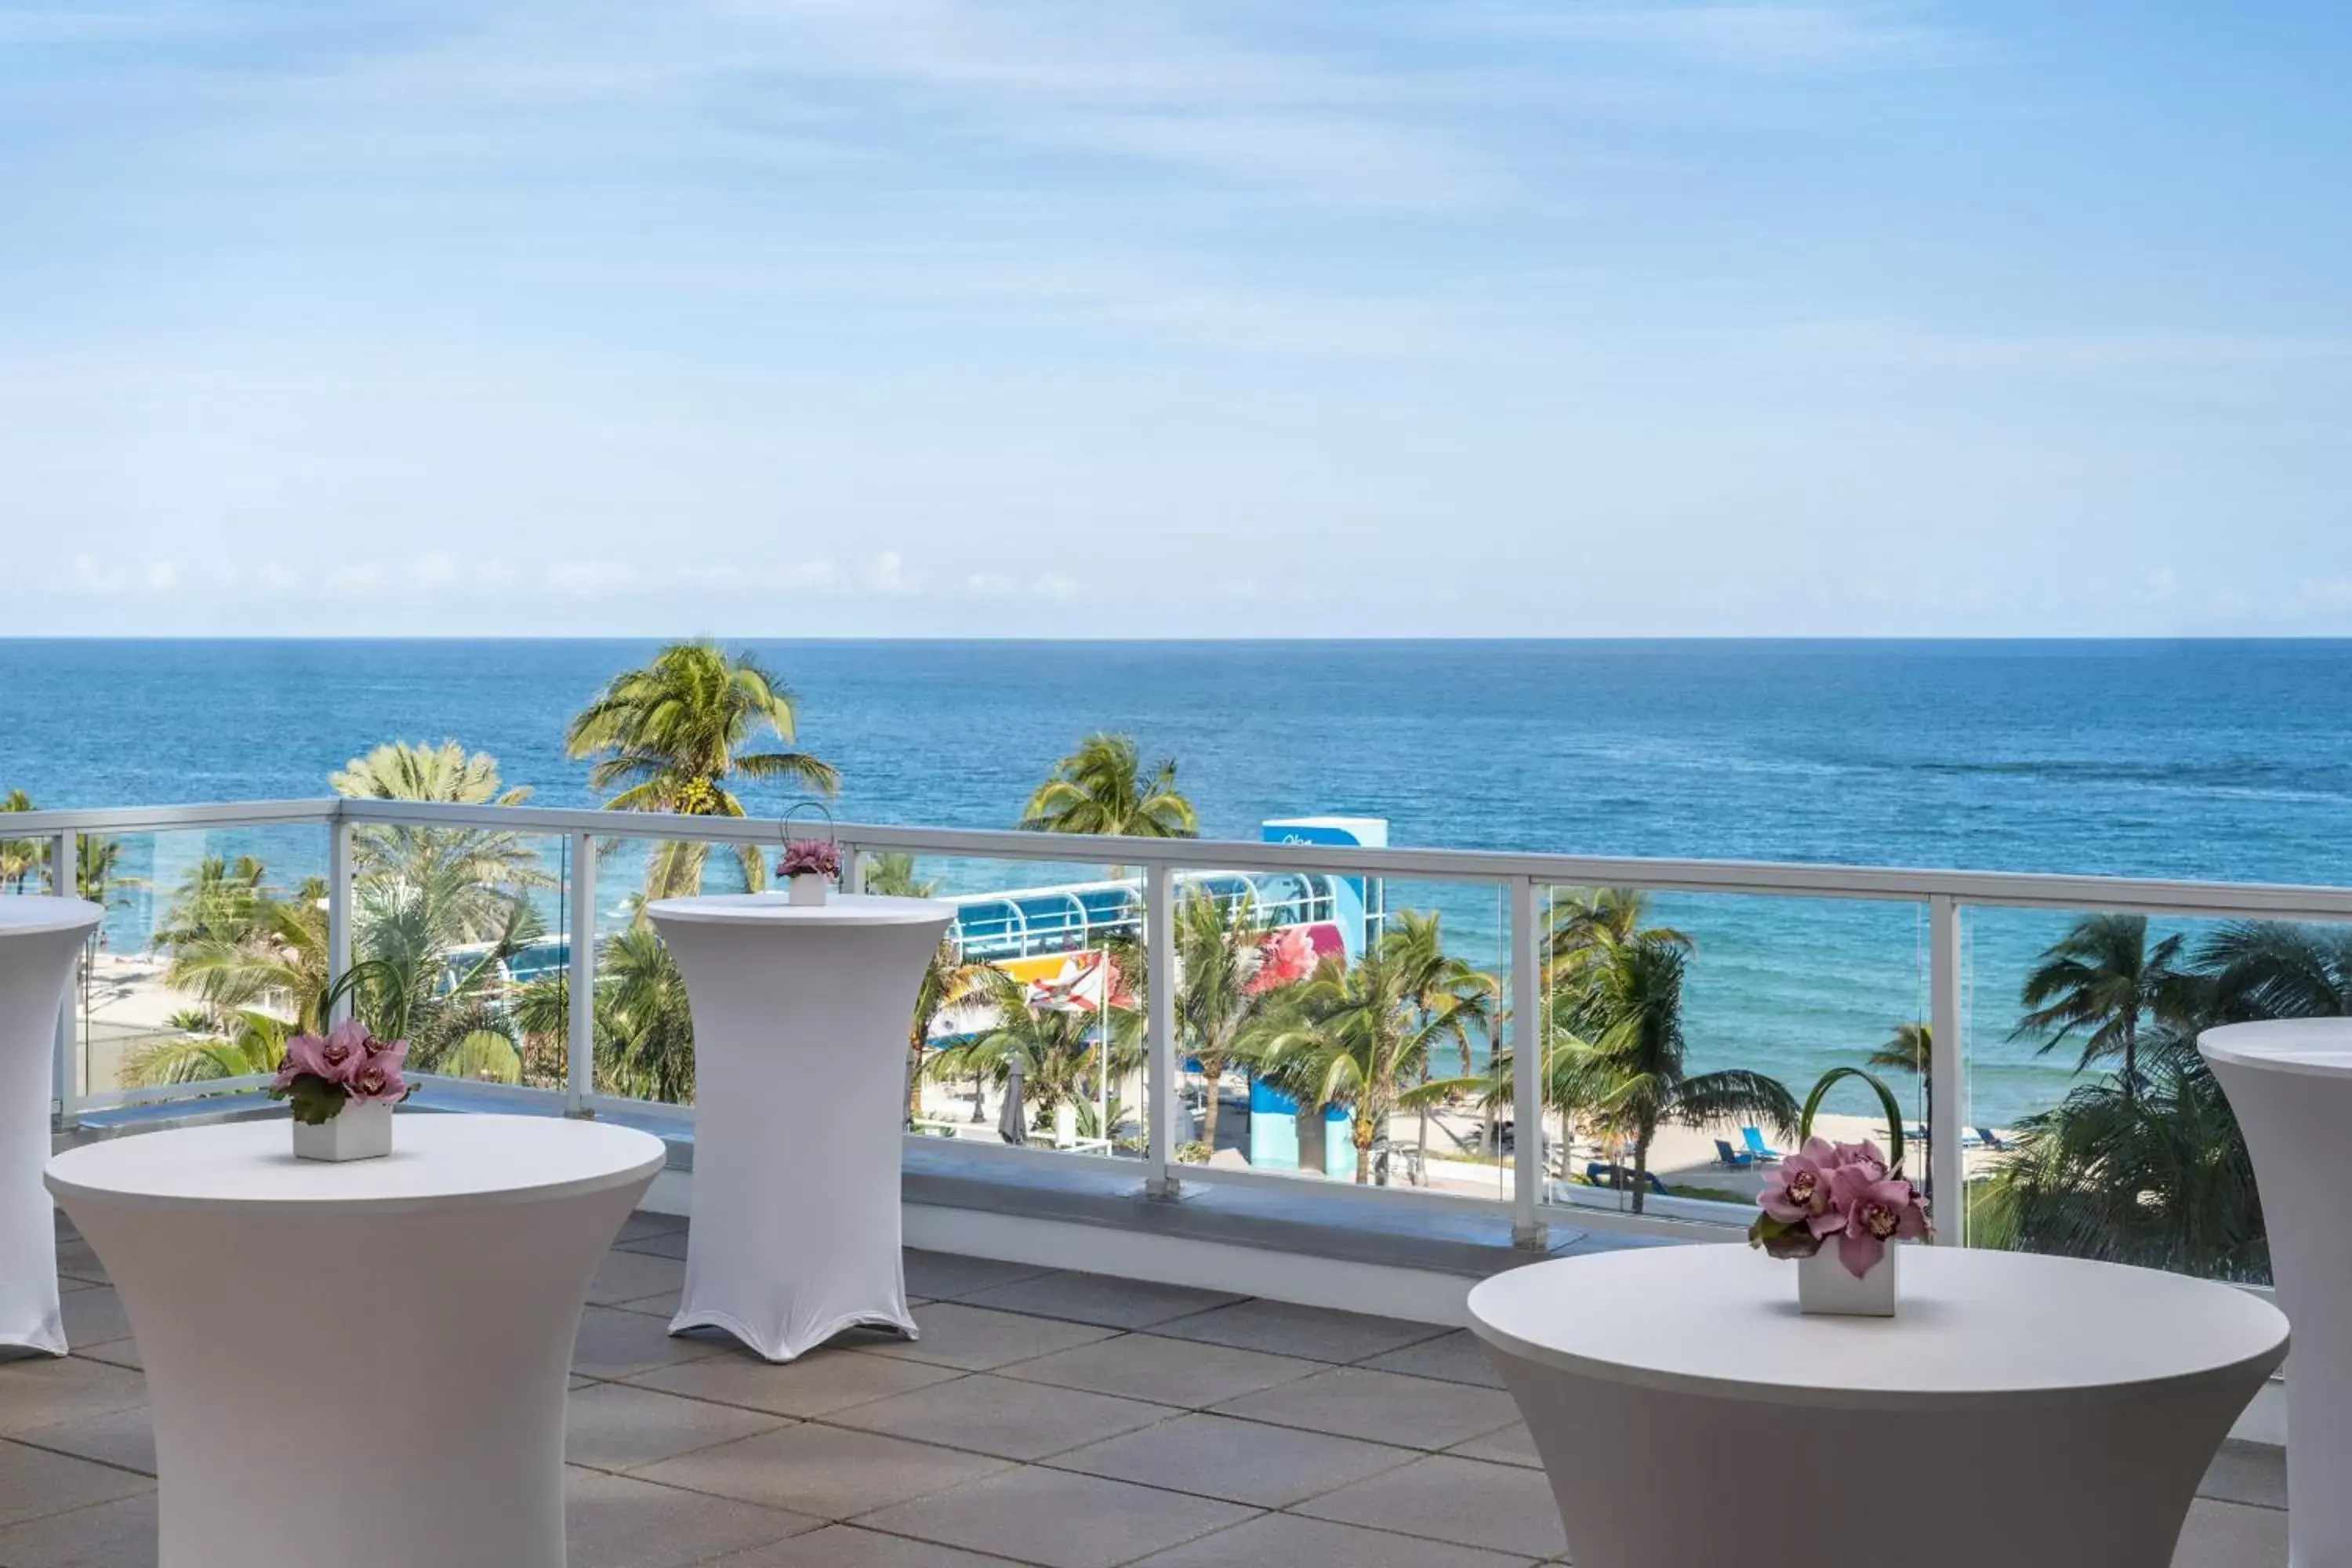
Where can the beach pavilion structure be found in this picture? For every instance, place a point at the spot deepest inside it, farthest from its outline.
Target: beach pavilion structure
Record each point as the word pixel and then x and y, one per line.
pixel 1136 1344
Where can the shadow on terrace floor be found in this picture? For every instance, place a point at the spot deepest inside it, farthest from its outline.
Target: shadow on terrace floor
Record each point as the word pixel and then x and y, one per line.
pixel 1072 1420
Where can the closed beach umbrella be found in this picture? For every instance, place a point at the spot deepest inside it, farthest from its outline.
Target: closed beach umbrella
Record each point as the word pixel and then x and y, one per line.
pixel 1012 1122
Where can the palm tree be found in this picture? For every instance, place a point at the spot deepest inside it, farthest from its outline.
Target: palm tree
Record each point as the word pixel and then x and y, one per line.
pixel 493 864
pixel 893 876
pixel 96 857
pixel 2149 1166
pixel 1101 788
pixel 1359 1035
pixel 419 982
pixel 251 1042
pixel 219 899
pixel 672 737
pixel 1620 1054
pixel 1586 928
pixel 2102 981
pixel 2272 969
pixel 948 979
pixel 2156 1175
pixel 1912 1048
pixel 20 858
pixel 1060 1052
pixel 1587 924
pixel 643 1030
pixel 1222 1002
pixel 237 946
pixel 245 952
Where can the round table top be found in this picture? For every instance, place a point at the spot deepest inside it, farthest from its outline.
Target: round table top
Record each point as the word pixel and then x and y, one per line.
pixel 31 913
pixel 777 909
pixel 1973 1326
pixel 2318 1047
pixel 438 1162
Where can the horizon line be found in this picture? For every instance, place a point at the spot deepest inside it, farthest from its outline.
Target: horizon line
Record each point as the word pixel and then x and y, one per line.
pixel 1987 639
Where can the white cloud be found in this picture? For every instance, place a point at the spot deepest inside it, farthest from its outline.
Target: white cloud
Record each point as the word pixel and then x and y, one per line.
pixel 111 578
pixel 1166 84
pixel 439 576
pixel 1766 37
pixel 1943 347
pixel 1049 587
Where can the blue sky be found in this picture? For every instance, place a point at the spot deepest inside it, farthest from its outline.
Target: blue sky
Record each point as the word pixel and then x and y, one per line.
pixel 1219 317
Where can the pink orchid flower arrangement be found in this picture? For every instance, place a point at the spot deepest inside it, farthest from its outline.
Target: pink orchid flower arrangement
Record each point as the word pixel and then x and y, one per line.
pixel 809 857
pixel 1851 1192
pixel 321 1073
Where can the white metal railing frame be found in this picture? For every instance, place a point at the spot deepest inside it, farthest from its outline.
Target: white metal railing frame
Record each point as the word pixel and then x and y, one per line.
pixel 1523 880
pixel 2022 889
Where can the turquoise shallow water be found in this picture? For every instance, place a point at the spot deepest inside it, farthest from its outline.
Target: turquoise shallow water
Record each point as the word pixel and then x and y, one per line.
pixel 2226 760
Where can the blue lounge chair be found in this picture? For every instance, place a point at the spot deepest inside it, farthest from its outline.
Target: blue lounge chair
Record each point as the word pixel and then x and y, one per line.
pixel 1618 1178
pixel 1730 1157
pixel 1758 1147
pixel 1992 1140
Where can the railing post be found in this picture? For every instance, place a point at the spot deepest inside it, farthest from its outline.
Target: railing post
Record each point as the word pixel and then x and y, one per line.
pixel 1527 1167
pixel 1160 1094
pixel 580 1022
pixel 854 864
pixel 339 912
pixel 64 860
pixel 1948 1072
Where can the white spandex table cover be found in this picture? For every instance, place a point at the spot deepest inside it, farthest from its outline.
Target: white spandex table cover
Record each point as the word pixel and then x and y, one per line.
pixel 2290 1083
pixel 801 1015
pixel 358 1365
pixel 1689 1417
pixel 39 938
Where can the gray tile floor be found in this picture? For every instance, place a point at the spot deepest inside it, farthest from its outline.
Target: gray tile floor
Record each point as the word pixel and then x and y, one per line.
pixel 1067 1421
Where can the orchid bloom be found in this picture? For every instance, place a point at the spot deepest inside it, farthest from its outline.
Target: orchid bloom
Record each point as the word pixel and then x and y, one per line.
pixel 302 1057
pixel 340 1057
pixel 345 1046
pixel 1798 1190
pixel 809 857
pixel 378 1080
pixel 1876 1211
pixel 1866 1156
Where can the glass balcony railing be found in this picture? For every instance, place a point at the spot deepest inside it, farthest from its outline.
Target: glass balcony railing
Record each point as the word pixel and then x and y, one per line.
pixel 1684 1031
pixel 1030 1025
pixel 1467 1031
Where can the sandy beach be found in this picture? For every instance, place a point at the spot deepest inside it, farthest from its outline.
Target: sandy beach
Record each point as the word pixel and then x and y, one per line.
pixel 1684 1159
pixel 128 1004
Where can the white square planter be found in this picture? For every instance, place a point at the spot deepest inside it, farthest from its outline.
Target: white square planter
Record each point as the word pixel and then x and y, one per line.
pixel 1825 1287
pixel 356 1132
pixel 806 890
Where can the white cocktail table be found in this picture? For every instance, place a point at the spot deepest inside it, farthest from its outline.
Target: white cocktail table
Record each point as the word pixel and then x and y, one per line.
pixel 1689 1417
pixel 39 939
pixel 801 1015
pixel 364 1364
pixel 2290 1083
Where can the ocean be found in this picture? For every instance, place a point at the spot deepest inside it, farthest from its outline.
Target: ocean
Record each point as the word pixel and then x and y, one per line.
pixel 2171 759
